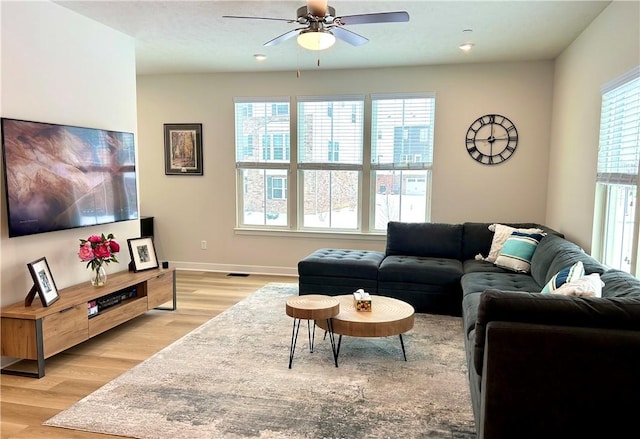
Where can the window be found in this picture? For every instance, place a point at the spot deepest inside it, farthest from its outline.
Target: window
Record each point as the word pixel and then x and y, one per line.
pixel 401 157
pixel 262 162
pixel 330 149
pixel 334 176
pixel 277 187
pixel 616 211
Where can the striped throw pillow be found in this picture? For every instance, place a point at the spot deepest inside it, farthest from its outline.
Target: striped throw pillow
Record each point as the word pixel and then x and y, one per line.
pixel 517 252
pixel 569 274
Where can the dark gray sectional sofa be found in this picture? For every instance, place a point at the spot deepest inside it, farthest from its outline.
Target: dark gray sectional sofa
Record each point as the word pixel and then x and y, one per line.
pixel 540 365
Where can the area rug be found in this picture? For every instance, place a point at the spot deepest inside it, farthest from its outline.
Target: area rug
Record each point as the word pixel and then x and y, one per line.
pixel 229 378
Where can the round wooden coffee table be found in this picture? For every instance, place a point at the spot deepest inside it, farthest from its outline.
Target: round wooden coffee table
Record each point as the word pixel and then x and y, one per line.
pixel 318 308
pixel 387 317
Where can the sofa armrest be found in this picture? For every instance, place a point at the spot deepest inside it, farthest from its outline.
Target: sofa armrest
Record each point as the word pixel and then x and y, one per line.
pixel 547 309
pixel 559 381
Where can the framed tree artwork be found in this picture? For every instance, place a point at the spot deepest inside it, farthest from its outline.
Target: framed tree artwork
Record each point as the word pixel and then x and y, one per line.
pixel 183 149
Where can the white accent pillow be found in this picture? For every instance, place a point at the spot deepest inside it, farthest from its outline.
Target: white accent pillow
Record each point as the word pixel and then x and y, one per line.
pixel 587 286
pixel 501 233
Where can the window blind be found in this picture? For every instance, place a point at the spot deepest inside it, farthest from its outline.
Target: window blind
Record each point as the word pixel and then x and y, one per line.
pixel 619 147
pixel 330 132
pixel 262 131
pixel 402 131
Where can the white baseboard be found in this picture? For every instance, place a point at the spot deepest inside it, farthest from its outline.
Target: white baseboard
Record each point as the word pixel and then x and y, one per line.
pixel 227 268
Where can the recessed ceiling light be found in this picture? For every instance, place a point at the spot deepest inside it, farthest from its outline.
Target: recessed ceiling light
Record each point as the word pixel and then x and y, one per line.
pixel 260 57
pixel 466 46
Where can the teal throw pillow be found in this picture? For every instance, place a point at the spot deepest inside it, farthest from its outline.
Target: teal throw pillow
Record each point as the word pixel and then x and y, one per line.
pixel 569 274
pixel 517 252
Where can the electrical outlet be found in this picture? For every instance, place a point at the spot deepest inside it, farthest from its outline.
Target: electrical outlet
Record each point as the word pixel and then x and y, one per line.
pixel 203 245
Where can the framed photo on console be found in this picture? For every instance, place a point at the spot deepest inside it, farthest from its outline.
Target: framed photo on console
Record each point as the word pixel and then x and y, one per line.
pixel 143 253
pixel 43 284
pixel 183 149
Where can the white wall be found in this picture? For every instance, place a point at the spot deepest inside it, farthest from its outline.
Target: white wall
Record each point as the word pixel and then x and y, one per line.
pixel 60 67
pixel 609 47
pixel 188 209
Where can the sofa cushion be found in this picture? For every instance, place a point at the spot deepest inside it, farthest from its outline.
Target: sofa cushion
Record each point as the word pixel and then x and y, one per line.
pixel 424 239
pixel 555 253
pixel 518 250
pixel 420 270
pixel 475 265
pixel 568 274
pixel 341 263
pixel 470 303
pixel 506 280
pixel 619 283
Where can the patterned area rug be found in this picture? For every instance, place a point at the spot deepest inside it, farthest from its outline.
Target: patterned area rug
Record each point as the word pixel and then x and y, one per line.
pixel 229 378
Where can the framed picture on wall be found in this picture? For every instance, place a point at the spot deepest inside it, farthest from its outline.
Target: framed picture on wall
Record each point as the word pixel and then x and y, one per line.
pixel 143 253
pixel 43 283
pixel 183 149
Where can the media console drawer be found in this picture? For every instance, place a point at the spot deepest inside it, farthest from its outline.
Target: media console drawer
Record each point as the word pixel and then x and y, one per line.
pixel 64 329
pixel 160 290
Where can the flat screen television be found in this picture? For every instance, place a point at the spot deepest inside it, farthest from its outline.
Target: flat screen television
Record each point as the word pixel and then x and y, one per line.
pixel 61 177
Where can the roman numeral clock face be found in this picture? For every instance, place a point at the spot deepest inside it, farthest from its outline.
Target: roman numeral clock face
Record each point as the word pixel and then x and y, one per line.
pixel 491 139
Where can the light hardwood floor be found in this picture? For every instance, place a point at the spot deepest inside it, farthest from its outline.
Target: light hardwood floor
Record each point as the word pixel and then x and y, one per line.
pixel 25 403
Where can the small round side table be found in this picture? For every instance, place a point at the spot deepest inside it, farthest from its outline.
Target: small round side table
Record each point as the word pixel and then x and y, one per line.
pixel 312 307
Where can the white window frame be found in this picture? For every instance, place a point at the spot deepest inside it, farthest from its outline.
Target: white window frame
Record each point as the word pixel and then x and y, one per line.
pixel 293 170
pixel 261 164
pixel 605 240
pixel 408 162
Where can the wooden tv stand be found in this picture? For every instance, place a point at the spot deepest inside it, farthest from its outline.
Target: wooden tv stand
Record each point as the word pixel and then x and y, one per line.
pixel 37 333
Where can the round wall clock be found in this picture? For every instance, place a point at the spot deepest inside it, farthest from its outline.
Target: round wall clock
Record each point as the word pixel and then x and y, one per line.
pixel 491 139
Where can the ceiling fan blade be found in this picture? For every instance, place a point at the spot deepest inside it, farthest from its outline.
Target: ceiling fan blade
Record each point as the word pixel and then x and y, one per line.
pixel 284 37
pixel 259 18
pixel 350 37
pixel 380 17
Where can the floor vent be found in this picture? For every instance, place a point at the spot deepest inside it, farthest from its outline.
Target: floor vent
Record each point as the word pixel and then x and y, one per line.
pixel 238 274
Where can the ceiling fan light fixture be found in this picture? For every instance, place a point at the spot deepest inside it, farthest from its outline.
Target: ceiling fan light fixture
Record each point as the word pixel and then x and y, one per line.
pixel 316 39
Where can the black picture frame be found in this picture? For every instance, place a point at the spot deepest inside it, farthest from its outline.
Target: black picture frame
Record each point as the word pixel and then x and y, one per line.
pixel 143 253
pixel 183 149
pixel 43 284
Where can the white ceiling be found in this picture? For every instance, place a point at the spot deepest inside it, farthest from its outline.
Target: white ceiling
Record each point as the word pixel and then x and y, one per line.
pixel 193 37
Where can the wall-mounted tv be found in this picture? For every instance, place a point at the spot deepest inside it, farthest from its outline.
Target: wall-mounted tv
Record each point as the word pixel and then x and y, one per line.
pixel 61 177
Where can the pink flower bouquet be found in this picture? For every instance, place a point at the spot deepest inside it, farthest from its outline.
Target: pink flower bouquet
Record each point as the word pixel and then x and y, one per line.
pixel 98 250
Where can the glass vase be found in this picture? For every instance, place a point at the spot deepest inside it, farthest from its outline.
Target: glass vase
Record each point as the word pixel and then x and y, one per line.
pixel 99 277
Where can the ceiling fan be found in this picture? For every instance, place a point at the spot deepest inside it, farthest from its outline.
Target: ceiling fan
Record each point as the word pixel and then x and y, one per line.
pixel 322 27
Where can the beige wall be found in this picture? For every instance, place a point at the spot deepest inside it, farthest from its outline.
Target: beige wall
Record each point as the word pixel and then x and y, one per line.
pixel 608 48
pixel 189 209
pixel 60 67
pixel 80 89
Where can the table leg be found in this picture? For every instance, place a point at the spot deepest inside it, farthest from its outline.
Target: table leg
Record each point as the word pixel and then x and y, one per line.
pixel 333 341
pixel 403 351
pixel 338 348
pixel 312 339
pixel 294 339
